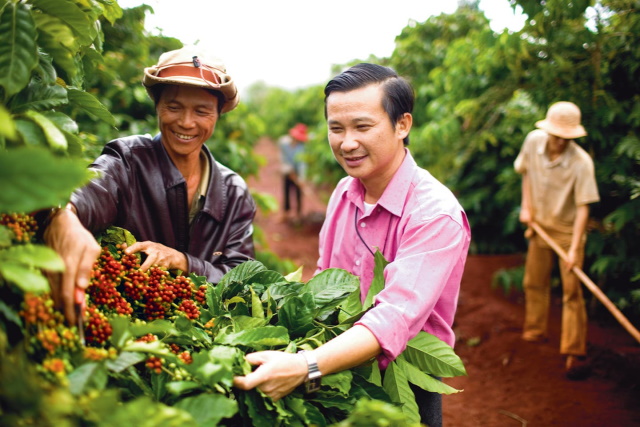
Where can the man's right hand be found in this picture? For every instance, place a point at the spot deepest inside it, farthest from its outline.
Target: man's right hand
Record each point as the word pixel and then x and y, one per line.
pixel 79 251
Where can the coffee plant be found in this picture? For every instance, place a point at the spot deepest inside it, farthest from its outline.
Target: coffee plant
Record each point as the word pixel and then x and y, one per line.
pixel 167 344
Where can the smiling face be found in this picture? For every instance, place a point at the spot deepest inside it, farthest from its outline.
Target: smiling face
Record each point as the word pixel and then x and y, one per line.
pixel 187 117
pixel 363 139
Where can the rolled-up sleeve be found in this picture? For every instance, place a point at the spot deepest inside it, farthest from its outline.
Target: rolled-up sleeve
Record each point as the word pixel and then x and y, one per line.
pixel 422 285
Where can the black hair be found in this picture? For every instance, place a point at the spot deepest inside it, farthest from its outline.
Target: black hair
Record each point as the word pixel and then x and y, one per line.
pixel 397 97
pixel 157 89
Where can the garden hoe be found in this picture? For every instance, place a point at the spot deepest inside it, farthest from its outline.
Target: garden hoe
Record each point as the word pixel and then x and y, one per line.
pixel 588 283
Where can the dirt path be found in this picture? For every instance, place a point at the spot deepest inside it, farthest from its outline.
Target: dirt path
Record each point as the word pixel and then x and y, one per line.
pixel 509 382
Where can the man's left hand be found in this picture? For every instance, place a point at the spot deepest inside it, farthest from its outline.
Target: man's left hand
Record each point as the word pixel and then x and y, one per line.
pixel 572 257
pixel 160 255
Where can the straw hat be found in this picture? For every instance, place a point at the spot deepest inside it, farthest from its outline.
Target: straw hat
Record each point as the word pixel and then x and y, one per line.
pixel 563 120
pixel 193 66
pixel 299 132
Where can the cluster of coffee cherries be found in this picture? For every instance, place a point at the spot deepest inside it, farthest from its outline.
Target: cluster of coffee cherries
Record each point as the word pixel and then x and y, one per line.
pixel 51 340
pixel 23 226
pixel 119 287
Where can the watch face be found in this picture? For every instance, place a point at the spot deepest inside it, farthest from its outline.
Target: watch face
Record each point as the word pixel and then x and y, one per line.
pixel 313 384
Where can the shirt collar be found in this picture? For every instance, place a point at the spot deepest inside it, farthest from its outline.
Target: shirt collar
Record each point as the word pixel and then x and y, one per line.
pixel 394 195
pixel 562 160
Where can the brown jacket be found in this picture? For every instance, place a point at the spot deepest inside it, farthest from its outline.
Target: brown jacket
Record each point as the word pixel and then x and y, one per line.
pixel 142 191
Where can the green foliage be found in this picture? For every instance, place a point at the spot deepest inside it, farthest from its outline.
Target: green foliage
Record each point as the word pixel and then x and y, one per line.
pixel 250 309
pixel 509 279
pixel 479 93
pixel 43 43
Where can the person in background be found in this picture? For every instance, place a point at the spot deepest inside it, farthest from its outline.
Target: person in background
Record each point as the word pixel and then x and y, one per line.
pixel 558 184
pixel 187 211
pixel 293 168
pixel 387 202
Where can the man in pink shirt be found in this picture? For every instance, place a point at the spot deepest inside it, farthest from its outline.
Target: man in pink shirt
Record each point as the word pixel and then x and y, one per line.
pixel 387 203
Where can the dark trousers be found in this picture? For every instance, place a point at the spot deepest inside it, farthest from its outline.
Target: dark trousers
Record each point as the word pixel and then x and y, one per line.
pixel 288 186
pixel 429 406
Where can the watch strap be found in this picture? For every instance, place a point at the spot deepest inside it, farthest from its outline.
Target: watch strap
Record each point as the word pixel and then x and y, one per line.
pixel 314 376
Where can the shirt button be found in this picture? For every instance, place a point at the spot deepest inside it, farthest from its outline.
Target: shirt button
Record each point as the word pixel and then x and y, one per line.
pixel 357 262
pixel 363 225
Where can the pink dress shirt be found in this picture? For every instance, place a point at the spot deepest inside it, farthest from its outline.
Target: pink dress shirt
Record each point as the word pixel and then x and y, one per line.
pixel 423 232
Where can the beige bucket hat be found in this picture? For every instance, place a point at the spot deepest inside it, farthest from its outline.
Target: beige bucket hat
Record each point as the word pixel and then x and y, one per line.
pixel 193 66
pixel 563 120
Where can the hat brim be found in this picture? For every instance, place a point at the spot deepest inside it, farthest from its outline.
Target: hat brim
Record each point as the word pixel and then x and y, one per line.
pixel 572 132
pixel 228 88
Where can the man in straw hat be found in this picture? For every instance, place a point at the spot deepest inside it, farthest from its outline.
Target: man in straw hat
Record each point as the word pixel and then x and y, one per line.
pixel 187 211
pixel 558 184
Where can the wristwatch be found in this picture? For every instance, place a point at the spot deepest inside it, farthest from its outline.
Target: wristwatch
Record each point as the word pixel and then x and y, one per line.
pixel 314 377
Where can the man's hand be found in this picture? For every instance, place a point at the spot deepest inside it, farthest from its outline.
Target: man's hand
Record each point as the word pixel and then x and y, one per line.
pixel 572 258
pixel 277 375
pixel 79 250
pixel 525 216
pixel 159 254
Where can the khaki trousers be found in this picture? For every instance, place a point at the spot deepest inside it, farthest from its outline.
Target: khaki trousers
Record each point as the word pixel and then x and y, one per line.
pixel 537 289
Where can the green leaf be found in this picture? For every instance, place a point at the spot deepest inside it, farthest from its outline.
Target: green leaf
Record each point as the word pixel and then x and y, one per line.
pixel 144 412
pixel 124 360
pixel 6 236
pixel 159 327
pixel 33 179
pixel 209 409
pixel 351 308
pixel 65 123
pixel 117 236
pixel 329 288
pixel 156 348
pixel 89 375
pixel 90 104
pixel 121 333
pixel 434 356
pixel 377 284
pixel 18 49
pixel 180 387
pixel 423 380
pixel 53 135
pixel 10 314
pixel 111 11
pixel 258 338
pixel 209 371
pixel 7 125
pixel 33 256
pixel 396 385
pixel 340 381
pixel 39 97
pixel 30 134
pixel 58 40
pixel 71 14
pixel 241 273
pixel 27 279
pixel 295 276
pixel 256 305
pixel 297 314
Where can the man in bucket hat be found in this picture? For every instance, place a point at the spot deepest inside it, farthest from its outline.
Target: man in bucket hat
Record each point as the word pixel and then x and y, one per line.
pixel 558 184
pixel 187 211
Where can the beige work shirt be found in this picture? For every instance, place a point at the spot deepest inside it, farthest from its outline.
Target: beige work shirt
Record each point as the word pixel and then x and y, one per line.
pixel 558 187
